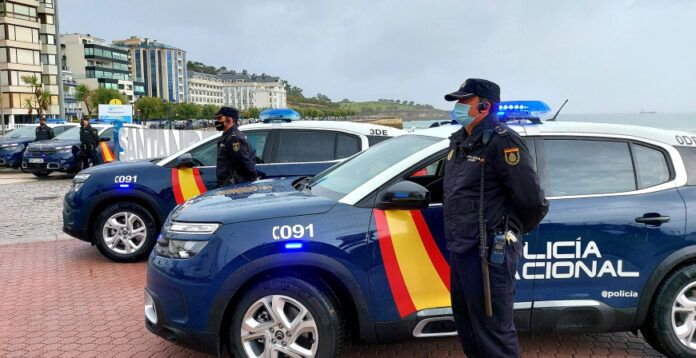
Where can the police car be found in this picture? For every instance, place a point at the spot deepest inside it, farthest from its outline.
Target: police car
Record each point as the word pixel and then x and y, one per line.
pixel 121 207
pixel 292 266
pixel 60 153
pixel 13 144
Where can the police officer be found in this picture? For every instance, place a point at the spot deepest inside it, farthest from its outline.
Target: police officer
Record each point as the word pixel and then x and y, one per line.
pixel 485 150
pixel 44 132
pixel 89 139
pixel 236 159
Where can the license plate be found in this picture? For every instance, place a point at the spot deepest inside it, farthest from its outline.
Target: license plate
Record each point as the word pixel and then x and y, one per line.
pixel 36 160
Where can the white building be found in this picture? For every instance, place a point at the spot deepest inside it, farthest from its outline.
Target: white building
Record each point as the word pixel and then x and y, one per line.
pixel 97 64
pixel 72 106
pixel 237 89
pixel 28 36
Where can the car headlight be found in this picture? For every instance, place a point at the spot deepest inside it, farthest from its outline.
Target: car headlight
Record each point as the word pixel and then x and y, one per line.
pixel 184 249
pixel 194 228
pixel 67 148
pixel 9 146
pixel 79 180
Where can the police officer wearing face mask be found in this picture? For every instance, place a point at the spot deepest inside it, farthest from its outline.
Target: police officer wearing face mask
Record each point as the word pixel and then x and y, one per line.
pixel 487 160
pixel 44 132
pixel 236 159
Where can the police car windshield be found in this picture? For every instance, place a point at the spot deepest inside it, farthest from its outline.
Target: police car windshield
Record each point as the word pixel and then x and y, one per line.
pixel 23 132
pixel 343 178
pixel 70 134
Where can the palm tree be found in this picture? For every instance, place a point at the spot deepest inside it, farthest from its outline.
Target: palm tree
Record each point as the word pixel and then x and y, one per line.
pixel 84 94
pixel 42 99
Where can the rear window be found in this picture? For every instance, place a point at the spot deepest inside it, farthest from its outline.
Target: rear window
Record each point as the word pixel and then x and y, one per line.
pixel 688 155
pixel 373 139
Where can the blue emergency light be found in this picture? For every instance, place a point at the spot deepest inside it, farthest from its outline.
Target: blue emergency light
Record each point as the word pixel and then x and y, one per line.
pixel 522 110
pixel 293 245
pixel 279 115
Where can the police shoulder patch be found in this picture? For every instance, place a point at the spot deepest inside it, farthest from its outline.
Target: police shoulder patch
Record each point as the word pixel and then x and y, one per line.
pixel 449 156
pixel 512 156
pixel 235 146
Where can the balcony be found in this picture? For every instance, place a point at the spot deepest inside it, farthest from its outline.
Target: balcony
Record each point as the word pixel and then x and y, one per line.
pixel 69 83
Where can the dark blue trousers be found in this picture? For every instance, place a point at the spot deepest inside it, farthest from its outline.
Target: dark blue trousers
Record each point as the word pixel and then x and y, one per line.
pixel 482 336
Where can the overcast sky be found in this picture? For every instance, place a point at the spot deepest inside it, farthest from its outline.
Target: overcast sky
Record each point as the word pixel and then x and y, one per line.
pixel 604 56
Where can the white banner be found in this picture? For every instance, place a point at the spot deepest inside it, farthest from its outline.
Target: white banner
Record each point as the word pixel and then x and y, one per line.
pixel 148 143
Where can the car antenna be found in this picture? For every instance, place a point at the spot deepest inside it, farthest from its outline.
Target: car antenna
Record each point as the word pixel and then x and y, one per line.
pixel 553 119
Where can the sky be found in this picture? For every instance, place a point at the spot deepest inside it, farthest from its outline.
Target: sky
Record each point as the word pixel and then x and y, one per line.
pixel 617 56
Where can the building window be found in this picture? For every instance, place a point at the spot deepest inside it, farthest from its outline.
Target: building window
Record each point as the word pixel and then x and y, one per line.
pixel 49 79
pixel 47 3
pixel 47 39
pixel 18 11
pixel 46 19
pixel 20 33
pixel 47 59
pixel 20 56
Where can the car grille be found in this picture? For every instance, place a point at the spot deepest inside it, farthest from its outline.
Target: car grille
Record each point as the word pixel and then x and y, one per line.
pixel 35 151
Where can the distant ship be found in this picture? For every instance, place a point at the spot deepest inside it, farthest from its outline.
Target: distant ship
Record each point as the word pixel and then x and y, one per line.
pixel 642 111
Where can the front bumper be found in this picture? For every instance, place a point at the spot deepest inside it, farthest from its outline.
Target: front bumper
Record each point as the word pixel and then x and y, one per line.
pixel 59 162
pixel 70 219
pixel 163 326
pixel 10 160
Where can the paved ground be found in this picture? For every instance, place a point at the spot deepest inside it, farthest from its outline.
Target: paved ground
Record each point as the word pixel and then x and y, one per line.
pixel 61 298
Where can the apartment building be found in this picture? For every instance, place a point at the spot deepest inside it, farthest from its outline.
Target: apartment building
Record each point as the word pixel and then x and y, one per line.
pixel 27 48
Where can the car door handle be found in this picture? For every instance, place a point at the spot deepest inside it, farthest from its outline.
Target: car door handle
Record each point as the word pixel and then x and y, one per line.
pixel 653 219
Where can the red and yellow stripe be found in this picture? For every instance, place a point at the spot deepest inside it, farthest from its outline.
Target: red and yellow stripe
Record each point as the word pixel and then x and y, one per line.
pixel 187 183
pixel 417 272
pixel 107 155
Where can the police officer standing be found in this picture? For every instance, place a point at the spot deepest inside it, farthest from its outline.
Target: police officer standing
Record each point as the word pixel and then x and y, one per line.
pixel 236 159
pixel 89 139
pixel 492 198
pixel 44 132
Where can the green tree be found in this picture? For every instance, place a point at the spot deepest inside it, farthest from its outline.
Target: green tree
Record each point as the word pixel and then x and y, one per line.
pixel 41 100
pixel 105 95
pixel 209 110
pixel 84 95
pixel 293 91
pixel 251 113
pixel 149 107
pixel 323 97
pixel 188 110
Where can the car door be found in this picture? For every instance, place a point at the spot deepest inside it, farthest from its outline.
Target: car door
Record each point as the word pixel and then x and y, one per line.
pixel 205 159
pixel 614 215
pixel 299 152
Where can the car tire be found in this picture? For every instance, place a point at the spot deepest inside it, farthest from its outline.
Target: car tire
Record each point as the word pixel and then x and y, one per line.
pixel 671 322
pixel 320 332
pixel 41 174
pixel 125 232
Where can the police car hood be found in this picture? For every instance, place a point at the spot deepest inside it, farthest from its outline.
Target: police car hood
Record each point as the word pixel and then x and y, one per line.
pixel 262 199
pixel 15 140
pixel 126 167
pixel 53 143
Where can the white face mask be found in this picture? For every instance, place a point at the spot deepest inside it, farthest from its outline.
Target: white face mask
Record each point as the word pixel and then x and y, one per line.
pixel 460 114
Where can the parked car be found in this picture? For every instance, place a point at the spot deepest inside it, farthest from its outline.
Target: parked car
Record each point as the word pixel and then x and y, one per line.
pixel 141 194
pixel 14 143
pixel 293 266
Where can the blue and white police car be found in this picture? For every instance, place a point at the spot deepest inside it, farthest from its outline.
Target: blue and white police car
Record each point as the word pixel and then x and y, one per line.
pixel 120 207
pixel 291 267
pixel 60 153
pixel 14 143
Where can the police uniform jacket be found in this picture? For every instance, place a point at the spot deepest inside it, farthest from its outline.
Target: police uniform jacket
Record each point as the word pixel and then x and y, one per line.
pixel 44 132
pixel 236 159
pixel 89 137
pixel 511 185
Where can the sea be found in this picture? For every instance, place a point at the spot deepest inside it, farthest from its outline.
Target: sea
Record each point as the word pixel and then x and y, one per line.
pixel 676 121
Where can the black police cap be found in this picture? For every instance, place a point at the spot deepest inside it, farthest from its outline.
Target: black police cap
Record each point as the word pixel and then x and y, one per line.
pixel 227 111
pixel 476 87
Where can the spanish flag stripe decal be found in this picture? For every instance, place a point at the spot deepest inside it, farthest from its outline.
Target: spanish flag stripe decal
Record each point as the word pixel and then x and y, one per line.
pixel 177 187
pixel 396 282
pixel 426 288
pixel 434 252
pixel 199 181
pixel 187 182
pixel 107 154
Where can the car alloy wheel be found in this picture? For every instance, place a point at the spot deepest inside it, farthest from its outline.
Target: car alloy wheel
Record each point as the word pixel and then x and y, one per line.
pixel 684 316
pixel 124 233
pixel 279 326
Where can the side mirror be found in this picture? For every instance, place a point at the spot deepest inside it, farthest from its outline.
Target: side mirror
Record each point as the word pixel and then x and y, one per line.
pixel 185 161
pixel 405 195
pixel 104 139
